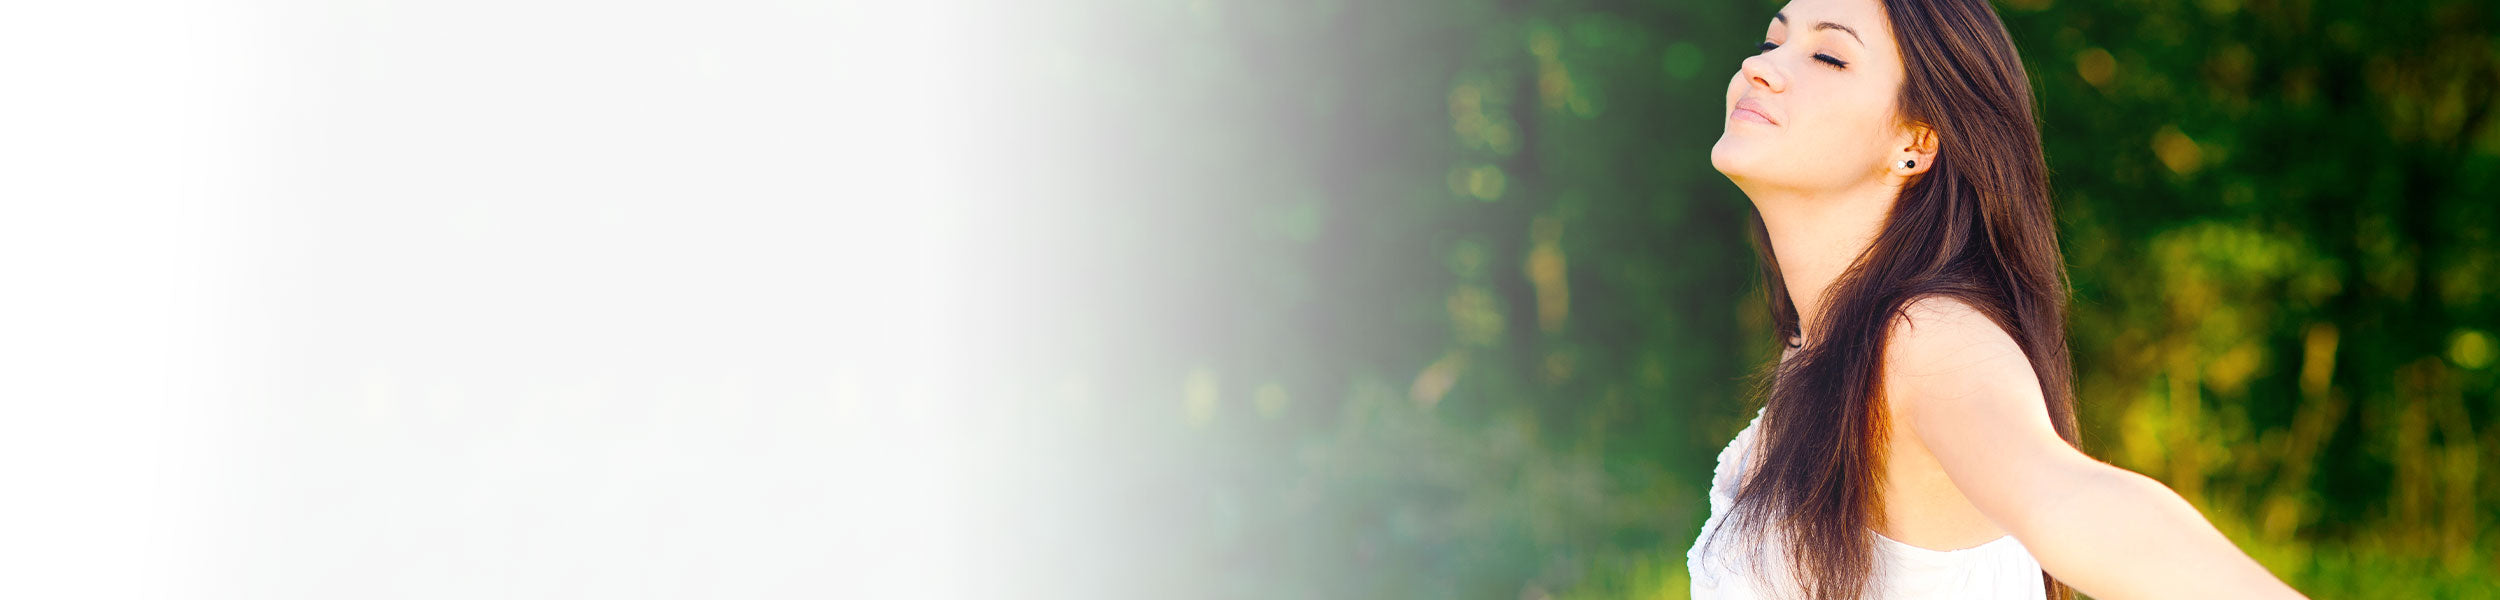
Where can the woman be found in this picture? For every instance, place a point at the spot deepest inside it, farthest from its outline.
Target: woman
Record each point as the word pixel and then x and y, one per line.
pixel 1917 438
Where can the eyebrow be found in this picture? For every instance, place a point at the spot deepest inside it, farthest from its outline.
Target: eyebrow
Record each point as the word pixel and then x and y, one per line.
pixel 1853 34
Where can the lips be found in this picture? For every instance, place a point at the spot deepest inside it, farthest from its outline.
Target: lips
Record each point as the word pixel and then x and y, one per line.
pixel 1750 110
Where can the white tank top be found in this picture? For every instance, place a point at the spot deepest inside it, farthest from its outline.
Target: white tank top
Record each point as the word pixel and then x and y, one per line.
pixel 1740 569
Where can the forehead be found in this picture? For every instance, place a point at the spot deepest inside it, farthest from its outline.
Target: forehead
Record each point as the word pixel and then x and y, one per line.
pixel 1863 16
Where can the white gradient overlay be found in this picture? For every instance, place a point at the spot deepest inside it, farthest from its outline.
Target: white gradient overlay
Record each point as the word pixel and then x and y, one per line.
pixel 537 299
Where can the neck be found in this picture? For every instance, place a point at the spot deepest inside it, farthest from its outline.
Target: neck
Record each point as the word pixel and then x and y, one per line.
pixel 1816 236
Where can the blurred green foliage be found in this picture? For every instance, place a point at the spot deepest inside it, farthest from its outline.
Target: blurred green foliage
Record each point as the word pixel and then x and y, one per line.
pixel 1468 313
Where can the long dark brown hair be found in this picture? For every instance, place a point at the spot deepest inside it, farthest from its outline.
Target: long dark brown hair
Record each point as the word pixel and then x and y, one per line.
pixel 1976 227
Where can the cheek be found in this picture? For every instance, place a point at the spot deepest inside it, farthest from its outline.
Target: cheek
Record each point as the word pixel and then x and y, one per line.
pixel 1845 126
pixel 1872 117
pixel 1870 131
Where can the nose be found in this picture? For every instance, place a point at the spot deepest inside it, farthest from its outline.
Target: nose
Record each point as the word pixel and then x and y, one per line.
pixel 1758 70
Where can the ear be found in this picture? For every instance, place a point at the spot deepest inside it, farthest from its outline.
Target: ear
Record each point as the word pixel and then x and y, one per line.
pixel 1918 148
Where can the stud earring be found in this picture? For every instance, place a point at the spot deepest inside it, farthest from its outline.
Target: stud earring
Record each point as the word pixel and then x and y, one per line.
pixel 1909 163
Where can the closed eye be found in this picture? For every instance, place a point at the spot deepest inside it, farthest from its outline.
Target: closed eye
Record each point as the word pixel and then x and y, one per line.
pixel 1825 58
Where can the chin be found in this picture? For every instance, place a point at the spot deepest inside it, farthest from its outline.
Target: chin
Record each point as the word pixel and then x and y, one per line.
pixel 1731 156
pixel 1750 163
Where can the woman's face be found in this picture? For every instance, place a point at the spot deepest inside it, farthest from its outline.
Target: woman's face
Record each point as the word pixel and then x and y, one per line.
pixel 1815 109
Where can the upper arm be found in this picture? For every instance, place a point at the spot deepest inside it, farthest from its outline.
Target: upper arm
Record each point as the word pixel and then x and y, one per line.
pixel 1964 387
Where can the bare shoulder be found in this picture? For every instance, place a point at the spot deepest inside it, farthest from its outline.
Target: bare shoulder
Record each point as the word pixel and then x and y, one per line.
pixel 1961 386
pixel 1941 345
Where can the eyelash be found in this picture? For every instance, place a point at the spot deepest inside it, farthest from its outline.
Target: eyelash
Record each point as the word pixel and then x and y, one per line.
pixel 1826 58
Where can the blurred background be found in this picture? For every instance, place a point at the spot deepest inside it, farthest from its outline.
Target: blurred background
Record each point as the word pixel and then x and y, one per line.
pixel 1443 299
pixel 1142 298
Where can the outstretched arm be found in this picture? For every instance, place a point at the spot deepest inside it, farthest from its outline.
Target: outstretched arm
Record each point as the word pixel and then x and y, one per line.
pixel 1967 392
